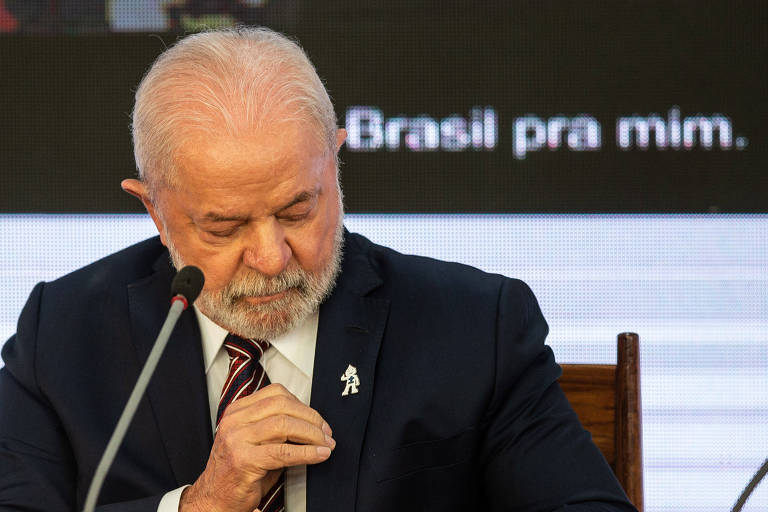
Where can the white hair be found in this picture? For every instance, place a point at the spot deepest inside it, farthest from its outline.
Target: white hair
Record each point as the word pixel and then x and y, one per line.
pixel 227 82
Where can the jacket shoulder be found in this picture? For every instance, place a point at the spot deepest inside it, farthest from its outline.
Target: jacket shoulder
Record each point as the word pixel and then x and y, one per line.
pixel 430 277
pixel 121 268
pixel 102 285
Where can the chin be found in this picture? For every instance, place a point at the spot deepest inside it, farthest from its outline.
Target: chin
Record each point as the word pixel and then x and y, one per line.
pixel 266 326
pixel 262 321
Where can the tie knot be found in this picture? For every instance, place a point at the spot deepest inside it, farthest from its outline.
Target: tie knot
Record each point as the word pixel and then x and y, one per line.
pixel 245 348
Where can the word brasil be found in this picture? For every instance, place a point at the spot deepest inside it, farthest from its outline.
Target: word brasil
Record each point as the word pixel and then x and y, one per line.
pixel 369 130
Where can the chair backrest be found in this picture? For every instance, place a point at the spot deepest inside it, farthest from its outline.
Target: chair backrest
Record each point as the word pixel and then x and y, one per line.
pixel 606 399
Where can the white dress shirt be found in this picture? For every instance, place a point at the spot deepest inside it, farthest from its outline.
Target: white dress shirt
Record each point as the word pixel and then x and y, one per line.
pixel 289 361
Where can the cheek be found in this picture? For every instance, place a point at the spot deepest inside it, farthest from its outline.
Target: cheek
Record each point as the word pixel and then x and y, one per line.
pixel 217 273
pixel 312 245
pixel 218 265
pixel 315 249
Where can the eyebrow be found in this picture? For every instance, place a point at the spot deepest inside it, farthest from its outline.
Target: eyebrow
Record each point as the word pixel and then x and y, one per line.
pixel 300 198
pixel 218 217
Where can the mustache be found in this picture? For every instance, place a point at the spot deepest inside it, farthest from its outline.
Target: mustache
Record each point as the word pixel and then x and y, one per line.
pixel 255 284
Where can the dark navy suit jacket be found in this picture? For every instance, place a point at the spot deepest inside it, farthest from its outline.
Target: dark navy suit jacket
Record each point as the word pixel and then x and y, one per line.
pixel 458 406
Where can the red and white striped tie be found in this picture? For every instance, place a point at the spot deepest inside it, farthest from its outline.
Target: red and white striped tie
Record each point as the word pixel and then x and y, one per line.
pixel 246 375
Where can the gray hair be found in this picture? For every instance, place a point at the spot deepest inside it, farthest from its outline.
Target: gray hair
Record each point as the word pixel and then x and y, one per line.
pixel 226 82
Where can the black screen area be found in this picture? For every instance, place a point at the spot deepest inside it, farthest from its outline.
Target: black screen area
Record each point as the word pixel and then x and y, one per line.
pixel 546 106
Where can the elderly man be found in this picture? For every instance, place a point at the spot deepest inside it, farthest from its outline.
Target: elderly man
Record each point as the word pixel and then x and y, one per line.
pixel 397 382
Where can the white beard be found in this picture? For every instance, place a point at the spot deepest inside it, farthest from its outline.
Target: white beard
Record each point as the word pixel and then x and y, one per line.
pixel 305 292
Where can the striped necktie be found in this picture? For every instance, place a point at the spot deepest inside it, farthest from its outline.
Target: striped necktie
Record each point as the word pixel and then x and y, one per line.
pixel 246 375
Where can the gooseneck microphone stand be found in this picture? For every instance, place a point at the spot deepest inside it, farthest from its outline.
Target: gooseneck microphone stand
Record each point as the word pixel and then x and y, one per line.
pixel 750 487
pixel 185 288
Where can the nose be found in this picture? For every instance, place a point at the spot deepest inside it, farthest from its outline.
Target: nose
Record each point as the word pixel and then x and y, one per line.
pixel 266 249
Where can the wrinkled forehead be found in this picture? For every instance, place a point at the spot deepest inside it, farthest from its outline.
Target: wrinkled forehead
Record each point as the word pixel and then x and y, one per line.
pixel 283 150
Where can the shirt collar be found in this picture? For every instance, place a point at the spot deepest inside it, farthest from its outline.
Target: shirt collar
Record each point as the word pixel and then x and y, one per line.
pixel 297 345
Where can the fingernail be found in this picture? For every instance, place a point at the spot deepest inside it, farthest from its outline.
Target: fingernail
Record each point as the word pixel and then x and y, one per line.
pixel 327 429
pixel 323 451
pixel 330 441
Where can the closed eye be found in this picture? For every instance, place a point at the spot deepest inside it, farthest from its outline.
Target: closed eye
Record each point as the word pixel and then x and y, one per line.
pixel 222 234
pixel 299 209
pixel 294 217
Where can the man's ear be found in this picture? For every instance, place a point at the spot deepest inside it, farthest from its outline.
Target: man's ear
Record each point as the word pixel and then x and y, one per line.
pixel 139 190
pixel 341 136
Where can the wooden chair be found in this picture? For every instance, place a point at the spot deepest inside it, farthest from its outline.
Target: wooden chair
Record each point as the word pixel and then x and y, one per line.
pixel 607 400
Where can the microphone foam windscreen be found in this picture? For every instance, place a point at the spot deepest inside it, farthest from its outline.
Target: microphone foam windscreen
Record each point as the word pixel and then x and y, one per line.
pixel 188 282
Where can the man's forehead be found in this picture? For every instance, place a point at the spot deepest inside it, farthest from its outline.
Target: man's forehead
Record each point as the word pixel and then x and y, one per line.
pixel 229 178
pixel 279 144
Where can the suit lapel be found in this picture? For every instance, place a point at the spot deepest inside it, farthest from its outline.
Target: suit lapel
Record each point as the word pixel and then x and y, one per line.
pixel 349 333
pixel 177 392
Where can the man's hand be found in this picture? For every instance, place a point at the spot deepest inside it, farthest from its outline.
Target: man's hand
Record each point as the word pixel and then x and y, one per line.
pixel 258 436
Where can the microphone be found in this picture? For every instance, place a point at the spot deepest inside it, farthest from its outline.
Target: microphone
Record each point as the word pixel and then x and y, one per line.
pixel 185 288
pixel 187 285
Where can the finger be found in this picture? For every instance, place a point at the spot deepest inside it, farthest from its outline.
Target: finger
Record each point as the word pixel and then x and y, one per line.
pixel 277 456
pixel 251 410
pixel 260 460
pixel 275 389
pixel 284 429
pixel 261 394
pixel 255 409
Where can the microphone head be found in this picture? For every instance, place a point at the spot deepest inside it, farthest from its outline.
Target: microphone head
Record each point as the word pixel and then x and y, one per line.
pixel 188 283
